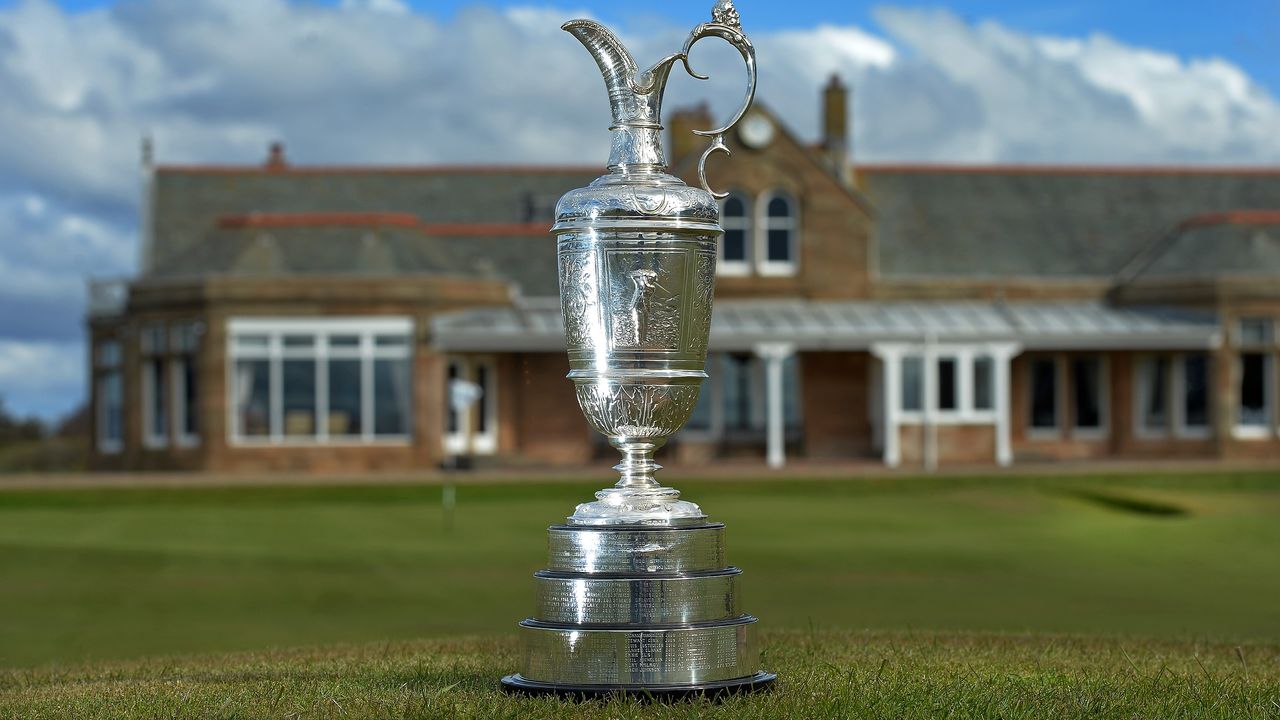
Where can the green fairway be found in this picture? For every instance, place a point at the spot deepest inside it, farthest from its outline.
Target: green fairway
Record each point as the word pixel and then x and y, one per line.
pixel 888 676
pixel 102 574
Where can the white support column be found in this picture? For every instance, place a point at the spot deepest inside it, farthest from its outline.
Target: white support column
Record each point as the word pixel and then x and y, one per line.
pixel 1001 358
pixel 929 428
pixel 891 358
pixel 774 354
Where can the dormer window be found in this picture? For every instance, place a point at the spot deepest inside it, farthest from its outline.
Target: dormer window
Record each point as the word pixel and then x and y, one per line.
pixel 735 249
pixel 777 236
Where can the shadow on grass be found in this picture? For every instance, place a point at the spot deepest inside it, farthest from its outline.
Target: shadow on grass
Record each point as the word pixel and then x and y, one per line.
pixel 1125 503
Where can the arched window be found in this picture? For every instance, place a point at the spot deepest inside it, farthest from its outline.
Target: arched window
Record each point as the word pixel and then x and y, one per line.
pixel 735 249
pixel 777 242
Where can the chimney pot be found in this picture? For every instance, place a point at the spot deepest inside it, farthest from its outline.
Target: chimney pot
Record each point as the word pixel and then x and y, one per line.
pixel 275 156
pixel 835 126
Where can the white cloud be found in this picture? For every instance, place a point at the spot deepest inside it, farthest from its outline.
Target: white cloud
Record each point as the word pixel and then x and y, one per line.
pixel 41 377
pixel 371 81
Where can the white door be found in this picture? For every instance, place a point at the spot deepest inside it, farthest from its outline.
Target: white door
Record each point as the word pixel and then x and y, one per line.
pixel 471 406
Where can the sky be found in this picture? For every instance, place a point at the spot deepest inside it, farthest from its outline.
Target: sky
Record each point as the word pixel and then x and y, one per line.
pixel 423 81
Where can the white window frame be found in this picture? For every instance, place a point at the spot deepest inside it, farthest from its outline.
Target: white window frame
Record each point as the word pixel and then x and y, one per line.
pixel 184 343
pixel 1104 398
pixel 1179 372
pixel 1059 398
pixel 1264 430
pixel 973 380
pixel 367 328
pixel 466 440
pixel 1267 348
pixel 763 223
pixel 737 268
pixel 1000 416
pixel 153 344
pixel 108 355
pixel 964 413
pixel 905 413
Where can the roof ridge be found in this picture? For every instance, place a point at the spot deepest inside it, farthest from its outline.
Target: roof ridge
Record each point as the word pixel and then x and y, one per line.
pixel 1146 256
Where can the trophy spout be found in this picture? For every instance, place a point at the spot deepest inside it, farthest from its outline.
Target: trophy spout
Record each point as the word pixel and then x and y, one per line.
pixel 635 98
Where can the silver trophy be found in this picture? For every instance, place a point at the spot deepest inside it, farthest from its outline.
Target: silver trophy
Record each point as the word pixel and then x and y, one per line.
pixel 637 596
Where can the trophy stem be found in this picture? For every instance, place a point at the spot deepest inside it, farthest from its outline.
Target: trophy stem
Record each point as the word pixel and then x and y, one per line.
pixel 637 467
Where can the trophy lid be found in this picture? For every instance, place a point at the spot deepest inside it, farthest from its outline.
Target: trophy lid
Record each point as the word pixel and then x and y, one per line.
pixel 637 192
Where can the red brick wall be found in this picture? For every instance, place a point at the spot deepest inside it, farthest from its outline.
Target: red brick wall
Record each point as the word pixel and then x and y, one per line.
pixel 834 403
pixel 549 427
pixel 956 444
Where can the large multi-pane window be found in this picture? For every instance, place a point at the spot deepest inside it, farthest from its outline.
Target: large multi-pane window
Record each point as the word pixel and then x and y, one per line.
pixel 110 396
pixel 1255 385
pixel 960 385
pixel 733 400
pixel 760 236
pixel 1171 395
pixel 1067 390
pixel 326 380
pixel 155 391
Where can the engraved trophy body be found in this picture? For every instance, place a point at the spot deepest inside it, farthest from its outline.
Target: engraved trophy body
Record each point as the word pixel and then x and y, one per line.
pixel 637 596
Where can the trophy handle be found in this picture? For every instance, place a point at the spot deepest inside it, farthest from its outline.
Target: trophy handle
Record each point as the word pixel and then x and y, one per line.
pixel 727 27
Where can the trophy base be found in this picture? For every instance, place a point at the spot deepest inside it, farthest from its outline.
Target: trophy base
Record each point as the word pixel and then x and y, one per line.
pixel 638 609
pixel 760 682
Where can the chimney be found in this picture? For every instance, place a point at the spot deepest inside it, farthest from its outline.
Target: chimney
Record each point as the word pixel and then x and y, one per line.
pixel 147 165
pixel 835 127
pixel 682 124
pixel 275 156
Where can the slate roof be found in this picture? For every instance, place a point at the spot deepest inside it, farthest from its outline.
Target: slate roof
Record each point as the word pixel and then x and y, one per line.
pixel 192 204
pixel 1057 222
pixel 1233 244
pixel 941 221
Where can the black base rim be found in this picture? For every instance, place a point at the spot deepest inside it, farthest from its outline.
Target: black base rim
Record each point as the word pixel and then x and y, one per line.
pixel 760 682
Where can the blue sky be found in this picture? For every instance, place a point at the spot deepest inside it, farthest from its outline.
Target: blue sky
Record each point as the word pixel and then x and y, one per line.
pixel 445 81
pixel 1247 32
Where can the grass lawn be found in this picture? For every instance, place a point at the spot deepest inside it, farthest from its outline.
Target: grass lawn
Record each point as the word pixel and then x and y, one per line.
pixel 894 676
pixel 95 575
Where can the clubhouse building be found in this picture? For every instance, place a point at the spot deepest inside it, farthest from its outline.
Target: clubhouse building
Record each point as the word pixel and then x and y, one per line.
pixel 344 319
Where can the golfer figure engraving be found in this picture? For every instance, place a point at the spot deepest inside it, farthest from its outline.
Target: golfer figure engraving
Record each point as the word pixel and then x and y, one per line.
pixel 643 281
pixel 637 596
